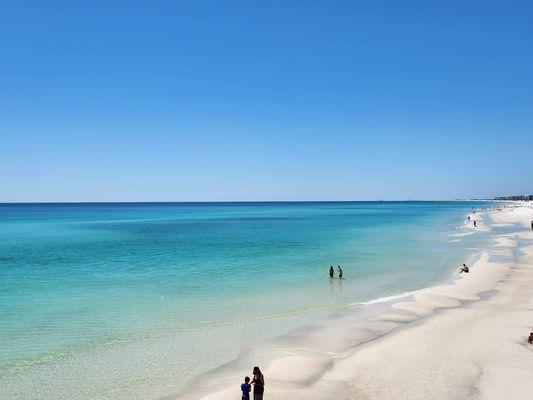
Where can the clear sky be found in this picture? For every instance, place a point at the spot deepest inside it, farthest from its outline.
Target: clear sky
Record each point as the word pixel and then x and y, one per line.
pixel 265 100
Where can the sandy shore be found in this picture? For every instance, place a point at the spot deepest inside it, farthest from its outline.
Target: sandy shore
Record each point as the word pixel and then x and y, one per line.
pixel 467 339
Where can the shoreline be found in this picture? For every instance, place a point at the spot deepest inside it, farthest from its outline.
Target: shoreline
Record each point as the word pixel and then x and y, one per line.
pixel 322 360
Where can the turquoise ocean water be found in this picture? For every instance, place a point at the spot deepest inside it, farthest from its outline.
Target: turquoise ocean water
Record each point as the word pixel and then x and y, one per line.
pixel 133 300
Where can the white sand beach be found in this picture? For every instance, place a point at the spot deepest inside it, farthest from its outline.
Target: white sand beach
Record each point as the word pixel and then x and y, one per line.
pixel 464 340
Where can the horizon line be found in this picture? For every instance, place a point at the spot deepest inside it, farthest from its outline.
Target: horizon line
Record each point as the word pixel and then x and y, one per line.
pixel 236 201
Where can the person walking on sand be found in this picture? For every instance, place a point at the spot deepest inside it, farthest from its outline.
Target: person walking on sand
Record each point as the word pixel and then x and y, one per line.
pixel 331 271
pixel 475 224
pixel 341 272
pixel 259 384
pixel 532 224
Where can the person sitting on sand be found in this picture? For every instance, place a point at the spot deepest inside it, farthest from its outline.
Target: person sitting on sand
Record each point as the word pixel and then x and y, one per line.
pixel 465 269
pixel 331 271
pixel 341 272
pixel 259 383
pixel 246 389
pixel 530 340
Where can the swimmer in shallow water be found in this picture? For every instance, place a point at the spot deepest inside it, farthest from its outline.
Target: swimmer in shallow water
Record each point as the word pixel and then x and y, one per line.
pixel 341 272
pixel 464 269
pixel 331 271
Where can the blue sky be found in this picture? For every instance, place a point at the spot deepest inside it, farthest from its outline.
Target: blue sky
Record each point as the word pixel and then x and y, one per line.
pixel 265 100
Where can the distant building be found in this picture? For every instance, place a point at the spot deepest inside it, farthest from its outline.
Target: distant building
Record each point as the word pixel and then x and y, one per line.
pixel 526 197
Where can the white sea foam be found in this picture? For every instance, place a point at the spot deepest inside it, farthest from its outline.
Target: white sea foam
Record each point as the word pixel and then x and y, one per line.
pixel 386 299
pixel 463 234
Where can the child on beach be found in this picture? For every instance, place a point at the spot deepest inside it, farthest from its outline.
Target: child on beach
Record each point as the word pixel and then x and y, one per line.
pixel 246 388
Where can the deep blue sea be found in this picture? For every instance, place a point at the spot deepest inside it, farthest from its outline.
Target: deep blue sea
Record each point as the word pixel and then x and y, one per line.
pixel 133 300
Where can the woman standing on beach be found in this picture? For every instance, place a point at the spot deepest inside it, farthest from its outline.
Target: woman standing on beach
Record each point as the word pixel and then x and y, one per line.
pixel 259 384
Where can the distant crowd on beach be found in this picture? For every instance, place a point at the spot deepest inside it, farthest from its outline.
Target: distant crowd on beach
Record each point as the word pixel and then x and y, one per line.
pixel 498 207
pixel 507 207
pixel 331 271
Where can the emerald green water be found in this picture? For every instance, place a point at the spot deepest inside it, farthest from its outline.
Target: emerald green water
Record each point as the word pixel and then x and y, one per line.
pixel 112 301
